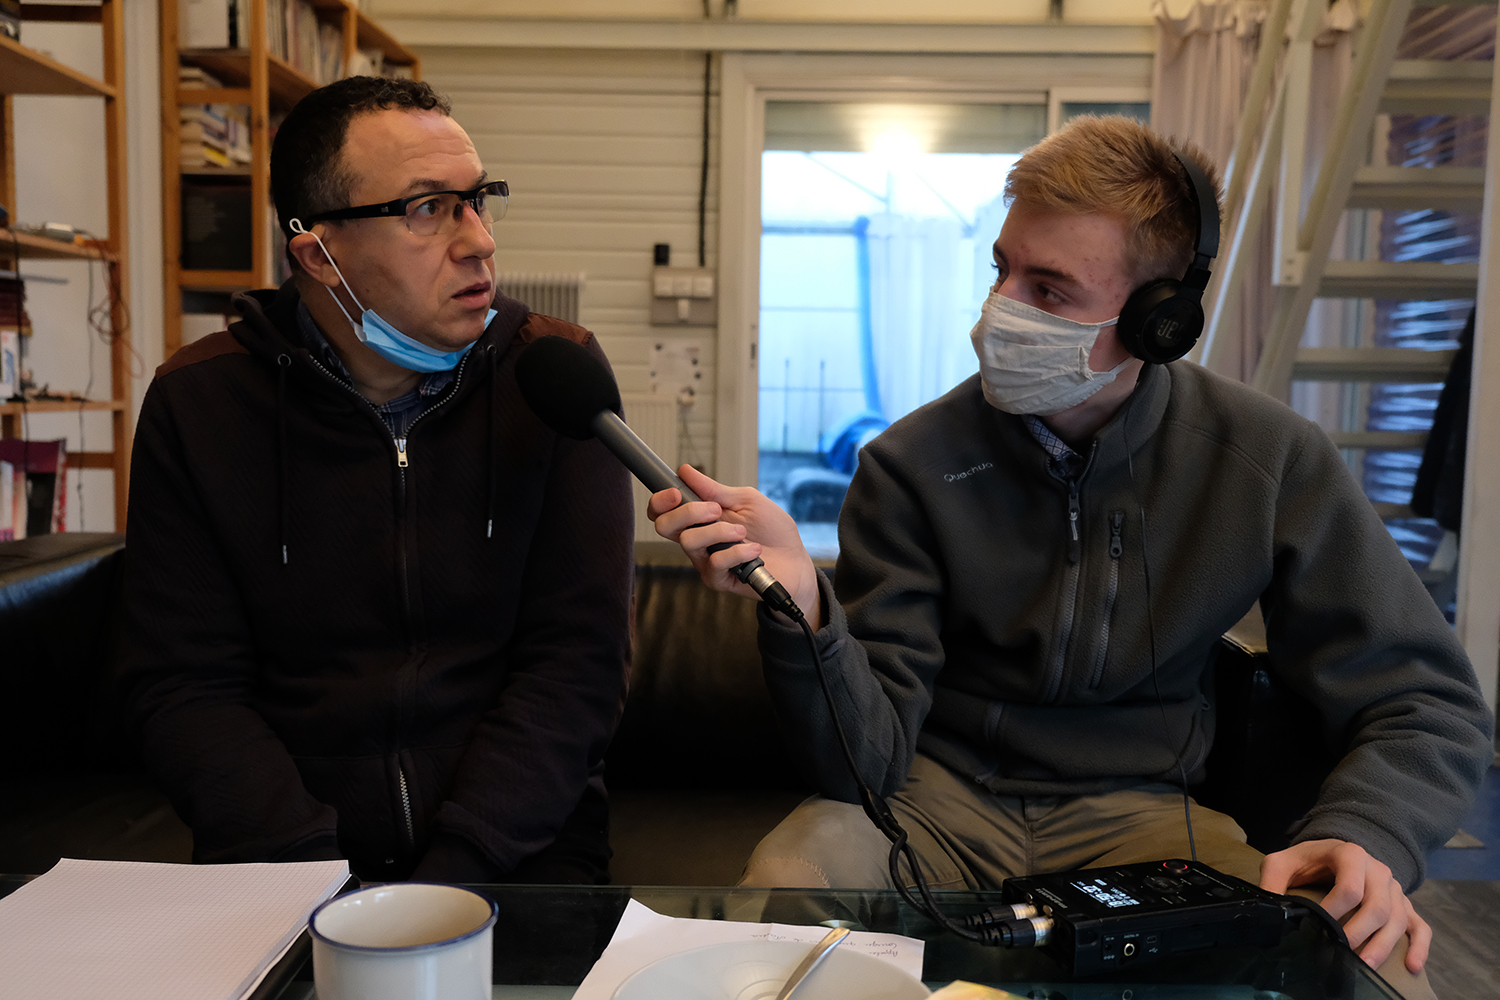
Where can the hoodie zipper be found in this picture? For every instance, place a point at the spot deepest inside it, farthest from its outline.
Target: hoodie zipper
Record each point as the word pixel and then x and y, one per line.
pixel 403 462
pixel 1116 549
pixel 411 832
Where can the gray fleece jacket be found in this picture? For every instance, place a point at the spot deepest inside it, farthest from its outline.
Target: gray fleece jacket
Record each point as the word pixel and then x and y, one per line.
pixel 971 621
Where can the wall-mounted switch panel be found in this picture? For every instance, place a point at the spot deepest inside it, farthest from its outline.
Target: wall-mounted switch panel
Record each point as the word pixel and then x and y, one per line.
pixel 683 296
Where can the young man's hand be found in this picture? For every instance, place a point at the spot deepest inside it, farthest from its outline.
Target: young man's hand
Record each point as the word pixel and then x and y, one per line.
pixel 744 516
pixel 1365 898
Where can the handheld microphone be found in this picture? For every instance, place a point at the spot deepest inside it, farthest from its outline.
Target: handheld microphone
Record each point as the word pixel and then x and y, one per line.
pixel 576 396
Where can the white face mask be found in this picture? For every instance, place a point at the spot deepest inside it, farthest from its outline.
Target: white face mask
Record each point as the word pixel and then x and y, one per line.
pixel 1034 362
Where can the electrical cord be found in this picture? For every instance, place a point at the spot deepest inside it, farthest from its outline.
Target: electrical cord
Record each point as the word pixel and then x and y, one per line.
pixel 1187 810
pixel 885 821
pixel 993 926
pixel 1016 925
pixel 708 76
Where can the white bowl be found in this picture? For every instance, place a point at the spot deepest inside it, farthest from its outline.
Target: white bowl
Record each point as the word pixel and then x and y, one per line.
pixel 757 970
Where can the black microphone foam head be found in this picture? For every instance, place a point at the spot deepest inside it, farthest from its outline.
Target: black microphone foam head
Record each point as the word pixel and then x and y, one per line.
pixel 565 385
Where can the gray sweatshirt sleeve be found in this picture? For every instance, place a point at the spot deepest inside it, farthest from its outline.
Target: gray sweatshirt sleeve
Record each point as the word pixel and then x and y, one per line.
pixel 1351 628
pixel 890 595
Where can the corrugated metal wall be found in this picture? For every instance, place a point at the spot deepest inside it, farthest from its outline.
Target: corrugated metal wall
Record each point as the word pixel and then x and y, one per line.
pixel 602 151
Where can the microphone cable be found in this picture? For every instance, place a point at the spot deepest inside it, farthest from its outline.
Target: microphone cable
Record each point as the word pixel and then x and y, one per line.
pixel 1006 934
pixel 1140 506
pixel 989 928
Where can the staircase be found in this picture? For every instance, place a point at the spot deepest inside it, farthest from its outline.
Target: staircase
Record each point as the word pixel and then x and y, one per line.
pixel 1272 149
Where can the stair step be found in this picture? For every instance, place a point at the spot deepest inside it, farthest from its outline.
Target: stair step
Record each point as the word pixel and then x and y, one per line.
pixel 1370 364
pixel 1411 280
pixel 1453 188
pixel 1392 440
pixel 1438 87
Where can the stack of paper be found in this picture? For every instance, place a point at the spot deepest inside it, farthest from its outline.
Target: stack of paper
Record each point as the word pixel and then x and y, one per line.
pixel 132 930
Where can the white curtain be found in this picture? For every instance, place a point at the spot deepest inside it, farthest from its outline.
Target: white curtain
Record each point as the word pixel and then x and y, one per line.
pixel 1204 60
pixel 1202 71
pixel 922 305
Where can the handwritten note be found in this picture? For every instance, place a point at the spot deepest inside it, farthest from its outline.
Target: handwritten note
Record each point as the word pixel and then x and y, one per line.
pixel 645 936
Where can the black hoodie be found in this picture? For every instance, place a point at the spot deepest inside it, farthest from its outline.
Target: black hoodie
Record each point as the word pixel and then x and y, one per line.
pixel 332 652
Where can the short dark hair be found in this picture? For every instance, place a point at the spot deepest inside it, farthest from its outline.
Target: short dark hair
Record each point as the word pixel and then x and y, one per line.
pixel 307 172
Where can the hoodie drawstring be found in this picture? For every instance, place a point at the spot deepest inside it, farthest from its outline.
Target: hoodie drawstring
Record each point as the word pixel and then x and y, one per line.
pixel 494 356
pixel 283 363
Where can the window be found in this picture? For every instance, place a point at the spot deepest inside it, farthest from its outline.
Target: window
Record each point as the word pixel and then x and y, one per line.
pixel 876 223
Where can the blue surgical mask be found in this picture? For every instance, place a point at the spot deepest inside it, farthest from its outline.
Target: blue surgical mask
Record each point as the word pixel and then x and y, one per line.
pixel 383 338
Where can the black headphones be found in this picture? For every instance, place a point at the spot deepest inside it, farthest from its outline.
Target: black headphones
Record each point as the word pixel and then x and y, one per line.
pixel 1162 319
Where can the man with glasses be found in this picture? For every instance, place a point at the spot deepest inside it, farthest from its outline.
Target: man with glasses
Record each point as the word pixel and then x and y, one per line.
pixel 375 609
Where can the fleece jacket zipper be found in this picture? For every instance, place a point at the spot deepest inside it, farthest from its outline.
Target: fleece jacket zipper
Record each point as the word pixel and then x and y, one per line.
pixel 1116 549
pixel 1073 576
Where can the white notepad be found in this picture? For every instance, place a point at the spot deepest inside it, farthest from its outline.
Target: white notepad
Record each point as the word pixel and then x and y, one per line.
pixel 134 930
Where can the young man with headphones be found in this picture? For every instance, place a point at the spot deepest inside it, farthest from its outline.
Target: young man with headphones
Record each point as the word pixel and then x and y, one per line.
pixel 1034 568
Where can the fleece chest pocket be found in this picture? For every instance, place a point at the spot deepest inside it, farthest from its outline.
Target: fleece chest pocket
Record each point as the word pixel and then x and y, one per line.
pixel 1111 591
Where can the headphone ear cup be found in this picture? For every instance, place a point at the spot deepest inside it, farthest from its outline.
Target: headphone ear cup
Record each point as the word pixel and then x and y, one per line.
pixel 1159 323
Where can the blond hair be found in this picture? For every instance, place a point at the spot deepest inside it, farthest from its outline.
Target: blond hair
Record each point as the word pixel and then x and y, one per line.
pixel 1116 166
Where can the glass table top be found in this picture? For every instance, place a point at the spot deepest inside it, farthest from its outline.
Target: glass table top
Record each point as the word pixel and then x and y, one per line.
pixel 548 937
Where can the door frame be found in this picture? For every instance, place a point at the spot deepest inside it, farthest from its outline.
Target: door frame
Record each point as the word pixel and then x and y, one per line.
pixel 749 80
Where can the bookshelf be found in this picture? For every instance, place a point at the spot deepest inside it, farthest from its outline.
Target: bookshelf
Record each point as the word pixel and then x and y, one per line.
pixel 253 76
pixel 26 71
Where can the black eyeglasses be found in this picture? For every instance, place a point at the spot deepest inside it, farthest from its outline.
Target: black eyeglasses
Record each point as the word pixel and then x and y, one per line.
pixel 432 213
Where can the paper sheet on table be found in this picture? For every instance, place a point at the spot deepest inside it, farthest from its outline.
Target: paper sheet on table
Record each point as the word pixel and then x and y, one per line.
pixel 645 936
pixel 135 930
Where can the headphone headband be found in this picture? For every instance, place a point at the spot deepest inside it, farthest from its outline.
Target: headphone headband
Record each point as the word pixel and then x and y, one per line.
pixel 1207 243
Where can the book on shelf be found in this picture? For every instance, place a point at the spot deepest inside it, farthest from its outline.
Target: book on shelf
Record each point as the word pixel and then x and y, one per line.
pixel 13 314
pixel 214 135
pixel 39 497
pixel 312 47
pixel 7 502
pixel 197 78
pixel 10 363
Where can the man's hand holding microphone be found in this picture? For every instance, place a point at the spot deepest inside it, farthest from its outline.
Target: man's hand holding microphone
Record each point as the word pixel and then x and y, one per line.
pixel 749 522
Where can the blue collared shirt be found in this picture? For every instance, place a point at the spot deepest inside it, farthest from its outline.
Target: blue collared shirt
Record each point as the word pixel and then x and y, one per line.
pixel 399 413
pixel 1063 462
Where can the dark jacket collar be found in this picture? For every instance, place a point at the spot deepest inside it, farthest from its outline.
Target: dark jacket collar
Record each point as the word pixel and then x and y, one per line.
pixel 1134 424
pixel 1137 420
pixel 268 327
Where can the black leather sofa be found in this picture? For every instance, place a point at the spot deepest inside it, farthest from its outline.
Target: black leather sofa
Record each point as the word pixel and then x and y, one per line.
pixel 698 772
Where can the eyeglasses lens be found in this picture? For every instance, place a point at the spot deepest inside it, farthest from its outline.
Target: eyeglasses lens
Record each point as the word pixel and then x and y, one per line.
pixel 443 213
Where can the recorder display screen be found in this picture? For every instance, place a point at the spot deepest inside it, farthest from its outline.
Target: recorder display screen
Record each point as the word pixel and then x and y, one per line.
pixel 1106 893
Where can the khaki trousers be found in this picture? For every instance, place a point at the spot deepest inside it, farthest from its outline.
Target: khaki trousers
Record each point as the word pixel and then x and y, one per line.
pixel 969 838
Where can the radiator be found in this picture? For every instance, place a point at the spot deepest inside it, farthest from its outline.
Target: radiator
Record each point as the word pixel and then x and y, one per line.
pixel 654 418
pixel 555 294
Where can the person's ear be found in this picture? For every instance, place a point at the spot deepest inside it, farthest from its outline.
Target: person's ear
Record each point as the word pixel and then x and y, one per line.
pixel 313 259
